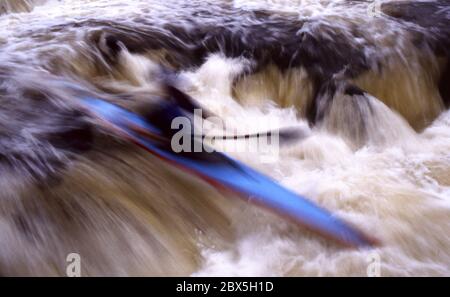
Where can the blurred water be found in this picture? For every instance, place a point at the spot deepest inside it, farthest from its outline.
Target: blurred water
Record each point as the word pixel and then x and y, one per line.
pixel 380 161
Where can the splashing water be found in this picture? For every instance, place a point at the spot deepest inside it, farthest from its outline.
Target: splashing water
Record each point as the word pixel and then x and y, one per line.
pixel 369 88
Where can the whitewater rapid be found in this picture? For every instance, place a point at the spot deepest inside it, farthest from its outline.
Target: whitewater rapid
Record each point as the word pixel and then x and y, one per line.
pixel 127 213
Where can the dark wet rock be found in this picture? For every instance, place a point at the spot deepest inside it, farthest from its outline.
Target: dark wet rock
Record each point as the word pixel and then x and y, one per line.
pixel 328 92
pixel 259 36
pixel 444 84
pixel 344 109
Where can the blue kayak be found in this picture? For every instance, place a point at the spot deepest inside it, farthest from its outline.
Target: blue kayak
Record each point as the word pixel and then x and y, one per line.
pixel 230 174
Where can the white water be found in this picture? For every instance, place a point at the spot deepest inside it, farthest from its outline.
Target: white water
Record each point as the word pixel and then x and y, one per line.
pixel 396 186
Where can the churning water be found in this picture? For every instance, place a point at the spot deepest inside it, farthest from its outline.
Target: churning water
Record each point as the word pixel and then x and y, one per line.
pixel 368 81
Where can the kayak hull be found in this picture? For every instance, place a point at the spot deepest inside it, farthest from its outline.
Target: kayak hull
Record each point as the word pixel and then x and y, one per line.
pixel 230 174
